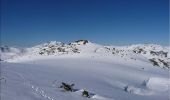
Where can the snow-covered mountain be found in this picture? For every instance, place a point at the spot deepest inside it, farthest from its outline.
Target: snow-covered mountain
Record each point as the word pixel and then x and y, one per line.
pixel 155 54
pixel 10 52
pixel 47 71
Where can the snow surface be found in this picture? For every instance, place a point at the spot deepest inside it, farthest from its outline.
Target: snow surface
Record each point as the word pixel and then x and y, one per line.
pixel 106 76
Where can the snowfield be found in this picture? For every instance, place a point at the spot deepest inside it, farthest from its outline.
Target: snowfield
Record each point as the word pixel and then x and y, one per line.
pixel 106 72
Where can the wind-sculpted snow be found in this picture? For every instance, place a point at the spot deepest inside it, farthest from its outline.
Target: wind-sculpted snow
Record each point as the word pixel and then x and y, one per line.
pixel 158 84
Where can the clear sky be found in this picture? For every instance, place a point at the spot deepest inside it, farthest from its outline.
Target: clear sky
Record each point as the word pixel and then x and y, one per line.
pixel 116 22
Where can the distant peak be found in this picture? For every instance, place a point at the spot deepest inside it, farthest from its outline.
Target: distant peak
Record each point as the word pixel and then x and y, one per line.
pixel 81 42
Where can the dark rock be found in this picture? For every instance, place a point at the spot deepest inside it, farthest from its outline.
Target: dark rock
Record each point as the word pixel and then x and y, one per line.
pixel 85 94
pixel 67 87
pixel 155 63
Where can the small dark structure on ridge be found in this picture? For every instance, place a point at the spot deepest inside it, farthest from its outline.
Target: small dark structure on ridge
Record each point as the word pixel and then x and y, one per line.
pixel 82 41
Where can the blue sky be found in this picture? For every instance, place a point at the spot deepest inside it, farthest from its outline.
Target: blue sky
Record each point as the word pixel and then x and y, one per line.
pixel 116 22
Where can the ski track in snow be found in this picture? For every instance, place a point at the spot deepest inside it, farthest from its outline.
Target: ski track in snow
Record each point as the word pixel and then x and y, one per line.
pixel 41 92
pixel 37 90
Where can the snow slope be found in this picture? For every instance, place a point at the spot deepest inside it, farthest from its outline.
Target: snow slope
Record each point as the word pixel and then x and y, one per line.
pixel 122 75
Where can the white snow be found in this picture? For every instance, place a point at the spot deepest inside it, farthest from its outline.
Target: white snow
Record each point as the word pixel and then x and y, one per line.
pixel 158 84
pixel 106 76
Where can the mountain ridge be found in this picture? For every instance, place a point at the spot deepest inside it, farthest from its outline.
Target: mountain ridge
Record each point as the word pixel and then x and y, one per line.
pixel 157 55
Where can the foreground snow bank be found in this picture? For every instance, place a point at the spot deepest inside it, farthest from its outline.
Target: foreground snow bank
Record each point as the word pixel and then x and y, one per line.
pixel 158 84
